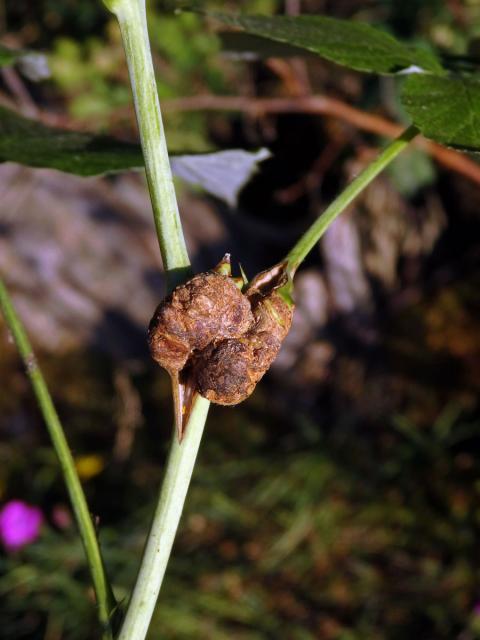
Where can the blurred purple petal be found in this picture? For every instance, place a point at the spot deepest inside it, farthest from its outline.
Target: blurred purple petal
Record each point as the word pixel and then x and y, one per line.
pixel 20 524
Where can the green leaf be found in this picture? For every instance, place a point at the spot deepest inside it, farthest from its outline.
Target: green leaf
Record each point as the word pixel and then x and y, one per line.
pixel 33 65
pixel 222 174
pixel 8 56
pixel 36 145
pixel 446 109
pixel 246 46
pixel 353 44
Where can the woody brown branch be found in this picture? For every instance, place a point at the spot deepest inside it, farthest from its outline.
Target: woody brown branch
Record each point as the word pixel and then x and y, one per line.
pixel 331 107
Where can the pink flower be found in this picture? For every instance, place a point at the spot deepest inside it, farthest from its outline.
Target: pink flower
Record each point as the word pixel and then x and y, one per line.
pixel 20 524
pixel 61 516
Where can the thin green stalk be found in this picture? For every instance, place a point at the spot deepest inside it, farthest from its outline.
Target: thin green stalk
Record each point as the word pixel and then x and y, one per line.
pixel 181 462
pixel 105 599
pixel 131 15
pixel 318 228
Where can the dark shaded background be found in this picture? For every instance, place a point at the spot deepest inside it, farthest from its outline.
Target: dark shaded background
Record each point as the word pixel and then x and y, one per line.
pixel 341 500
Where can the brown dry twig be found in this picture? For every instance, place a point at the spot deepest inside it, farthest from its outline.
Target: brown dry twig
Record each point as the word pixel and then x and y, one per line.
pixel 322 105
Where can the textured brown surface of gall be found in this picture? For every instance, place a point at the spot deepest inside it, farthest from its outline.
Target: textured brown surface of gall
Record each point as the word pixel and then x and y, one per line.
pixel 207 308
pixel 228 372
pixel 224 339
pixel 223 371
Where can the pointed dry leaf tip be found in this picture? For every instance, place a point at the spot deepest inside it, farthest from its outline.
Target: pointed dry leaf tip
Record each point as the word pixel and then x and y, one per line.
pixel 269 280
pixel 224 267
pixel 243 275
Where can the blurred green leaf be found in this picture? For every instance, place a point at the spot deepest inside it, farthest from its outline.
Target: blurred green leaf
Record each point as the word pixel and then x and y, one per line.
pixel 352 44
pixel 8 56
pixel 412 171
pixel 246 46
pixel 446 109
pixel 36 145
pixel 222 174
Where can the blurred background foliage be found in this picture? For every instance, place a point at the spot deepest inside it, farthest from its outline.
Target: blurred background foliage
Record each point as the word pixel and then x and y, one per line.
pixel 342 500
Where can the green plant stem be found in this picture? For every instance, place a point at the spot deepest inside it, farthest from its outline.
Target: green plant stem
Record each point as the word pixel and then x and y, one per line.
pixel 105 599
pixel 159 543
pixel 131 15
pixel 309 239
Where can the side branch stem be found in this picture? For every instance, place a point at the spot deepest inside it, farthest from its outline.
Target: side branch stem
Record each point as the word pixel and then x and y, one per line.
pixel 309 239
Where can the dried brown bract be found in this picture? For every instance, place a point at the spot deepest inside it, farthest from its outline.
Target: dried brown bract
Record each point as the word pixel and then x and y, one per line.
pixel 217 341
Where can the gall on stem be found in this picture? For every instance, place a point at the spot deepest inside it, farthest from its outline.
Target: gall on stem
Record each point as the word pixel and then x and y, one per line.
pixel 217 337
